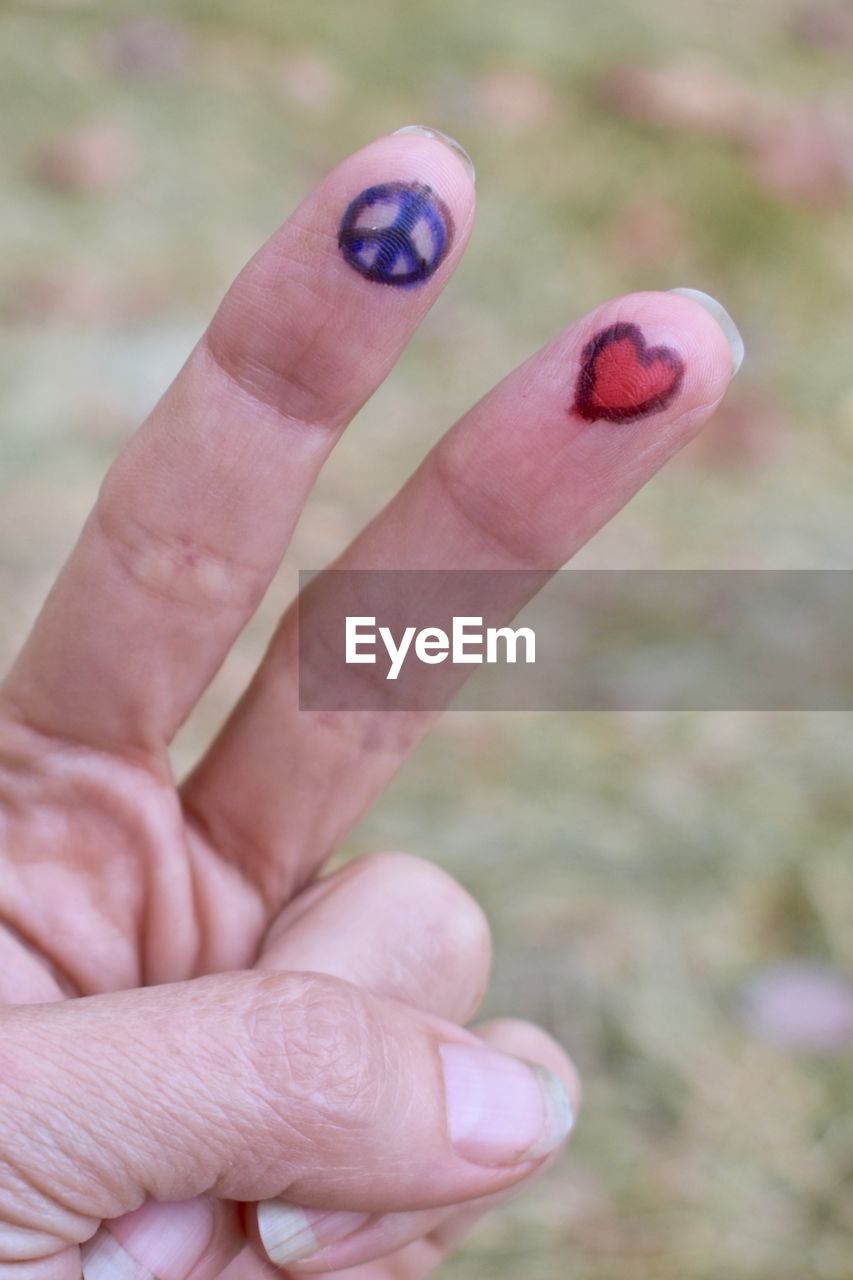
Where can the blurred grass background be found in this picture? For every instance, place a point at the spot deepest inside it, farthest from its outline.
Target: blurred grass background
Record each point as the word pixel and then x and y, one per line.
pixel 671 895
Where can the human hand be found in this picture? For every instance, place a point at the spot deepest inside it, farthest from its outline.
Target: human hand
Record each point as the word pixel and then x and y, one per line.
pixel 112 879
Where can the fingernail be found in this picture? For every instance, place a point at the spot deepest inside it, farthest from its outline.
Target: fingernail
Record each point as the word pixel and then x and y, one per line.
pixel 502 1110
pixel 158 1241
pixel 291 1234
pixel 438 136
pixel 724 320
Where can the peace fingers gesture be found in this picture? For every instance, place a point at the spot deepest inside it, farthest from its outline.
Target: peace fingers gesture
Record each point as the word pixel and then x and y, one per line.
pixel 113 879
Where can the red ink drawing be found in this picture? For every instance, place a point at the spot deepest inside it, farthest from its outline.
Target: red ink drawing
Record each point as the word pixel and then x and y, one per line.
pixel 622 379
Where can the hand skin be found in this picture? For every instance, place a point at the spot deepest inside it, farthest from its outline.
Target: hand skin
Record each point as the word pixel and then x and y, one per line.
pixel 175 1035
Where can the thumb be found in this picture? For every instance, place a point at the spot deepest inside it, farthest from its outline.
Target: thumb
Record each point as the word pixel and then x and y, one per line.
pixel 251 1086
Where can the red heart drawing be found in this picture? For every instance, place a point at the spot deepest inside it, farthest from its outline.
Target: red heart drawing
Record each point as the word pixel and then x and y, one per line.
pixel 622 379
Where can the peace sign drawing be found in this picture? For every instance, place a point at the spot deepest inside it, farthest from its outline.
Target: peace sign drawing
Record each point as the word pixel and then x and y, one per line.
pixel 396 233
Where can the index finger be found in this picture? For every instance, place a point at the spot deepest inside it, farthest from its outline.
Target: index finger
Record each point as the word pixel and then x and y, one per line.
pixel 195 515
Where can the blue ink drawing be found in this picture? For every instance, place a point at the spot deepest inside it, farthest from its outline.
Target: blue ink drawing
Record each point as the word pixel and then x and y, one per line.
pixel 396 233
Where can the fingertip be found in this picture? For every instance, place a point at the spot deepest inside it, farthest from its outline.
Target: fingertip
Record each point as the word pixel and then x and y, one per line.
pixel 423 131
pixel 158 1241
pixel 317 318
pixel 429 167
pixel 715 309
pixel 652 357
pixel 529 1041
pixel 286 1233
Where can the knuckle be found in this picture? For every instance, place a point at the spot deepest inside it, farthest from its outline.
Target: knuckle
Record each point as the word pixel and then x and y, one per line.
pixel 319 1048
pixel 494 516
pixel 443 958
pixel 447 912
pixel 172 565
pixel 273 385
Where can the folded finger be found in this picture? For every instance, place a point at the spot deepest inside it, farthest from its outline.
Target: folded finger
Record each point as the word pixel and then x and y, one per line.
pixel 522 481
pixel 194 517
pixel 411 1244
pixel 248 1086
pixel 393 924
